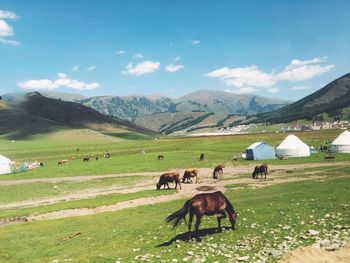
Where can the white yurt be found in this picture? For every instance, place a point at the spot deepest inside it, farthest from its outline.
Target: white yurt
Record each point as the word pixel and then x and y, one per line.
pixel 292 146
pixel 341 143
pixel 5 165
pixel 260 151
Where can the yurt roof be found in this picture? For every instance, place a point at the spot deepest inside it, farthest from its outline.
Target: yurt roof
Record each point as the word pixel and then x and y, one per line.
pixel 342 139
pixel 292 141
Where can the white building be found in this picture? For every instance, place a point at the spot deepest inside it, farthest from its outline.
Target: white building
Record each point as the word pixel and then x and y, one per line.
pixel 5 165
pixel 292 146
pixel 260 151
pixel 341 143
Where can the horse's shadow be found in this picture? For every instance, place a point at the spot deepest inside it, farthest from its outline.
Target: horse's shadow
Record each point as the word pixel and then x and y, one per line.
pixel 200 234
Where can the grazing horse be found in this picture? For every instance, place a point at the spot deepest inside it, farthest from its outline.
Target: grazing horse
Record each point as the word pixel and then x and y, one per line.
pixel 61 162
pixel 164 179
pixel 201 157
pixel 188 174
pixel 204 204
pixel 218 171
pixel 96 158
pixel 260 169
pixel 86 159
pixel 160 157
pixel 107 155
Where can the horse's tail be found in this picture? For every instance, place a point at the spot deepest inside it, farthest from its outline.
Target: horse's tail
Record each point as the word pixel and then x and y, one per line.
pixel 177 216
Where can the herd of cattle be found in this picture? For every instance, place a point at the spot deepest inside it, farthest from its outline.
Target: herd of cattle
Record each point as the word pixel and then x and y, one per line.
pixel 218 172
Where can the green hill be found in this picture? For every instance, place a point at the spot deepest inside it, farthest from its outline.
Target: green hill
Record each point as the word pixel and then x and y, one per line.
pixel 331 100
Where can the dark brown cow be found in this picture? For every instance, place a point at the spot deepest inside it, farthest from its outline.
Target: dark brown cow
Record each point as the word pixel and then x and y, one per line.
pixel 204 204
pixel 188 174
pixel 218 171
pixel 260 169
pixel 167 178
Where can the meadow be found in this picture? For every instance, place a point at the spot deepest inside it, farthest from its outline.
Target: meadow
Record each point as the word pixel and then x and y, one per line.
pixel 292 208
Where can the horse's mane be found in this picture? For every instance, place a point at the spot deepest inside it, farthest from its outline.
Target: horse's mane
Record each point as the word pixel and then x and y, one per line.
pixel 230 207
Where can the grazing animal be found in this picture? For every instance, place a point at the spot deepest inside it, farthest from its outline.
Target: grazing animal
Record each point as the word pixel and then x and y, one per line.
pixel 167 178
pixel 72 158
pixel 107 155
pixel 218 171
pixel 160 157
pixel 188 174
pixel 201 157
pixel 204 204
pixel 86 159
pixel 259 169
pixel 96 158
pixel 41 164
pixel 61 162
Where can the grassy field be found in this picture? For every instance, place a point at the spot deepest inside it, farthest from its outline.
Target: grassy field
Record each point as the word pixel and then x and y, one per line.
pixel 127 157
pixel 270 220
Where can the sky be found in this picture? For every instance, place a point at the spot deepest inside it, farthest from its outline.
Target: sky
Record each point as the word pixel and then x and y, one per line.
pixel 283 49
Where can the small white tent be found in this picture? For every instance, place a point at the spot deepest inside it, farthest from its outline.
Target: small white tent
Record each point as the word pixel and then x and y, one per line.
pixel 5 165
pixel 292 146
pixel 260 151
pixel 341 143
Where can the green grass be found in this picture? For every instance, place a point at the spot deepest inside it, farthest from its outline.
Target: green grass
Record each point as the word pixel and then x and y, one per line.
pixel 83 203
pixel 13 193
pixel 127 157
pixel 277 211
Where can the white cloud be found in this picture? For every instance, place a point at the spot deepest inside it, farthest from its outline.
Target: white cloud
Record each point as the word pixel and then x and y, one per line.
pixel 91 68
pixel 62 80
pixel 301 88
pixel 239 77
pixel 75 68
pixel 246 90
pixel 177 58
pixel 120 52
pixel 195 42
pixel 273 90
pixel 173 68
pixel 141 68
pixel 137 56
pixel 9 42
pixel 252 76
pixel 5 29
pixel 4 14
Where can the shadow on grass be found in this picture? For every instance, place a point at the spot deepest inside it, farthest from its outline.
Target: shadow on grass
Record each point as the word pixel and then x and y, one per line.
pixel 198 237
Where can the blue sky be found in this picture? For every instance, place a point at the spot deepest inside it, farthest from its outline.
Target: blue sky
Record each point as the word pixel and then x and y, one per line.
pixel 284 49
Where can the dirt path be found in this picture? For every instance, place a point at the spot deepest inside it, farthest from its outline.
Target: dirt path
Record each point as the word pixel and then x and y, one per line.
pixel 187 191
pixel 232 170
pixel 316 255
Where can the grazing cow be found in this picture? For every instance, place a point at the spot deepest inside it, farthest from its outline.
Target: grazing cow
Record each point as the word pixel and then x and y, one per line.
pixel 86 159
pixel 160 157
pixel 259 169
pixel 61 162
pixel 201 157
pixel 204 204
pixel 218 171
pixel 188 174
pixel 164 179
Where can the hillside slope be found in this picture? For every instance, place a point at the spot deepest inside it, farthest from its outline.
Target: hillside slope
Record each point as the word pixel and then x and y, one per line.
pixel 330 99
pixel 225 103
pixel 35 113
pixel 216 101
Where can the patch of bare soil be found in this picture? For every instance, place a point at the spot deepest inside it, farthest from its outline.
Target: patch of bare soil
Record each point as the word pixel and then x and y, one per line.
pixel 317 255
pixel 232 170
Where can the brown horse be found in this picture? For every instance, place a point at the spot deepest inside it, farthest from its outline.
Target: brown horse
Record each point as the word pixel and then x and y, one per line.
pixel 218 171
pixel 86 159
pixel 201 157
pixel 160 157
pixel 204 204
pixel 61 162
pixel 169 177
pixel 188 174
pixel 260 169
